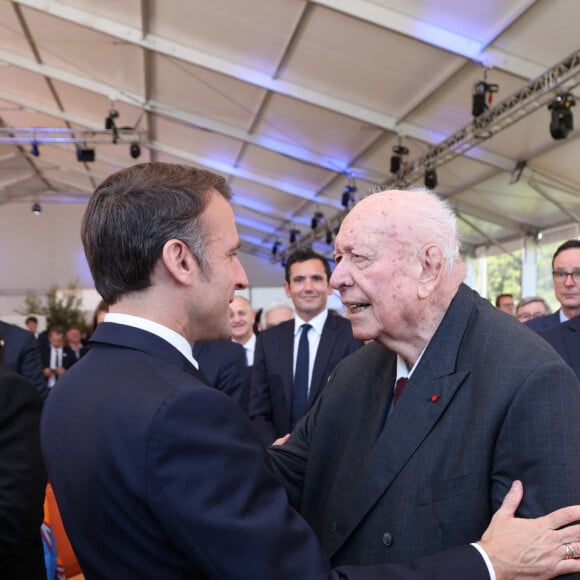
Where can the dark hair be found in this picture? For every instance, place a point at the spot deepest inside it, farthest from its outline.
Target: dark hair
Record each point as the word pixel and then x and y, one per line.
pixel 31 319
pixel 134 212
pixel 565 246
pixel 303 255
pixel 498 299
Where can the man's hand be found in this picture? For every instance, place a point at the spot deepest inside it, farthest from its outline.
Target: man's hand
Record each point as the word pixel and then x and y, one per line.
pixel 531 548
pixel 282 440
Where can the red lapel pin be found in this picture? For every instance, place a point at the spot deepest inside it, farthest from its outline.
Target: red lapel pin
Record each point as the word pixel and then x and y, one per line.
pixel 434 398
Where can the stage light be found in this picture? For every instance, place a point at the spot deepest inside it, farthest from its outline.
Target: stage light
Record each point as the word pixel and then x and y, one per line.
pixel 135 150
pixel 317 219
pixel 34 149
pixel 396 159
pixel 294 235
pixel 85 154
pixel 430 178
pixel 482 96
pixel 110 119
pixel 348 195
pixel 562 122
pixel 36 208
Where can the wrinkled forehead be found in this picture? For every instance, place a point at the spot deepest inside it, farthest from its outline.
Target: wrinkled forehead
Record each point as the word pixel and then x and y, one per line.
pixel 375 220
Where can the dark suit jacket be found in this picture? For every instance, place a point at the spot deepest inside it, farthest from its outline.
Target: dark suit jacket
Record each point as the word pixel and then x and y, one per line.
pixel 272 374
pixel 22 356
pixel 22 479
pixel 565 338
pixel 68 357
pixel 544 322
pixel 159 476
pixel 71 357
pixel 223 364
pixel 489 402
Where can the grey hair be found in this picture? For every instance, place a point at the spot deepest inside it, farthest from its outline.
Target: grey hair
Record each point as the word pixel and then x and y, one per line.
pixel 529 299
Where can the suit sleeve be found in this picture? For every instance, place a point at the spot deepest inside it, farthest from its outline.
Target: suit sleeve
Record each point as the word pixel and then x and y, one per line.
pixel 211 489
pixel 30 365
pixel 233 376
pixel 260 407
pixel 22 475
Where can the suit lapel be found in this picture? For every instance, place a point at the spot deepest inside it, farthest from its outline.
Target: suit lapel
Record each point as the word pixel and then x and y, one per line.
pixel 428 394
pixel 325 346
pixel 286 346
pixel 572 344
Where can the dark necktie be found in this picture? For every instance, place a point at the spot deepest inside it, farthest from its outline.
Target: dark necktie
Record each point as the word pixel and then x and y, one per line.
pixel 399 388
pixel 300 386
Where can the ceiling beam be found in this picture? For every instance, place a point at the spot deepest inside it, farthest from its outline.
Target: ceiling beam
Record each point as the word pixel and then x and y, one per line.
pixel 234 70
pixel 442 38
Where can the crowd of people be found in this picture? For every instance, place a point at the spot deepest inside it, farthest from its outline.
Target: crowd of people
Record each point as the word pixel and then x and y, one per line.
pixel 196 439
pixel 559 328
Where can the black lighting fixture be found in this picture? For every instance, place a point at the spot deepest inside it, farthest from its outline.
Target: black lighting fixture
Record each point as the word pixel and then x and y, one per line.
pixel 85 154
pixel 135 150
pixel 329 237
pixel 276 248
pixel 517 172
pixel 399 151
pixel 110 119
pixel 348 193
pixel 317 219
pixel 36 208
pixel 482 95
pixel 34 149
pixel 562 122
pixel 430 178
pixel 294 233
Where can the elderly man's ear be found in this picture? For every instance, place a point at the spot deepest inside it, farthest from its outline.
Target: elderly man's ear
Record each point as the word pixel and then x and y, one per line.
pixel 432 262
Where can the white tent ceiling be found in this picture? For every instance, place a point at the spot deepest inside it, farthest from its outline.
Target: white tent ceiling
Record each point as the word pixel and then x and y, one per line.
pixel 292 100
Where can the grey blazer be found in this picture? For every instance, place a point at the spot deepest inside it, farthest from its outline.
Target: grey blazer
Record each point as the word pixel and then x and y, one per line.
pixel 489 402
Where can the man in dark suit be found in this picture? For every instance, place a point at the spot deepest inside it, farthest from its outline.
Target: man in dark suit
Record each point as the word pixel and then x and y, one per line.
pixel 223 364
pixel 565 338
pixel 566 277
pixel 158 475
pixel 384 474
pixel 55 359
pixel 21 354
pixel 273 389
pixel 22 479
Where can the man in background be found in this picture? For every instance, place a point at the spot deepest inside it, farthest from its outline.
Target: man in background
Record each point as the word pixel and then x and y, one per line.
pixel 566 278
pixel 277 312
pixel 505 303
pixel 531 307
pixel 242 323
pixel 21 355
pixel 285 384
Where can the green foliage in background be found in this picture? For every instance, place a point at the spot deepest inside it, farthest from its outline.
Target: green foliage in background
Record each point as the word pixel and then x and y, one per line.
pixel 504 276
pixel 64 310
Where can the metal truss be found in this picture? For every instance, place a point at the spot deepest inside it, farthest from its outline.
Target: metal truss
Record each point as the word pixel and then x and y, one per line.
pixel 562 77
pixel 40 135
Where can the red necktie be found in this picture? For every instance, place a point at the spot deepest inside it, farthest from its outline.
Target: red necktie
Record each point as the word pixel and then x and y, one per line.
pixel 399 388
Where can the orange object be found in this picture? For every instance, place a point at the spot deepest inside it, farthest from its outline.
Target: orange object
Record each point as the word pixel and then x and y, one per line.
pixel 66 555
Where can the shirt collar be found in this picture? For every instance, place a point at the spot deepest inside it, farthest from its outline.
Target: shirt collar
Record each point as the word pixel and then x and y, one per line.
pixel 317 322
pixel 170 336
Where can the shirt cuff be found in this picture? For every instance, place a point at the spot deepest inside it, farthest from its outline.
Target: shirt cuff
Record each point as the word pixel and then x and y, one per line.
pixel 486 560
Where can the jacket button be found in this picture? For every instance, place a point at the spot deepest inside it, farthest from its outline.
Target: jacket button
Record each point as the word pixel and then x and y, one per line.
pixel 387 539
pixel 333 527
